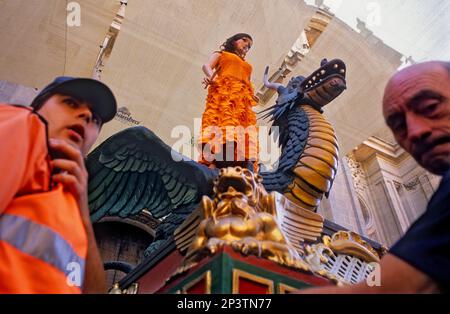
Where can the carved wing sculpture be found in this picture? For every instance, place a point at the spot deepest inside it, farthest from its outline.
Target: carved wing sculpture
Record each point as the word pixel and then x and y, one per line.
pixel 134 170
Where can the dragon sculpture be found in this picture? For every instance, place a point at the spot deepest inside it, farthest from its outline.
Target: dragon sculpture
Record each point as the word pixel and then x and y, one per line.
pixel 134 170
pixel 309 149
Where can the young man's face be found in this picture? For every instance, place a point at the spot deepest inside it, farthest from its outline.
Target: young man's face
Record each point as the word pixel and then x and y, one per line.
pixel 71 120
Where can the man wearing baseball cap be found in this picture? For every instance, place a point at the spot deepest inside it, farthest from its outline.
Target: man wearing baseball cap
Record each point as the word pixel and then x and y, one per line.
pixel 47 243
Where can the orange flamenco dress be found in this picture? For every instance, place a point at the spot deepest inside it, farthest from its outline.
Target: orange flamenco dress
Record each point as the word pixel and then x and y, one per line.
pixel 228 116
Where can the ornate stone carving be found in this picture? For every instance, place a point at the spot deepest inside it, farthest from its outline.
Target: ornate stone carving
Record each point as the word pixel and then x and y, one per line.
pixel 411 185
pixel 398 186
pixel 108 43
pixel 356 172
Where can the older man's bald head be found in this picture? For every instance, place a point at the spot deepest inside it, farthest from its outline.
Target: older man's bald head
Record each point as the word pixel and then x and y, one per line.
pixel 412 73
pixel 416 106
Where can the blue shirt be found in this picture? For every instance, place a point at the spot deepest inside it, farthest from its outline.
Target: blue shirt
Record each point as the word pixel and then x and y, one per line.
pixel 426 244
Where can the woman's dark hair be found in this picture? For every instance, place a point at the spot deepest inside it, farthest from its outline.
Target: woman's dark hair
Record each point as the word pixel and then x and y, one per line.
pixel 228 45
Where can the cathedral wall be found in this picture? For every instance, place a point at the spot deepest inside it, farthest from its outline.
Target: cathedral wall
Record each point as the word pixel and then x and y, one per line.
pixel 392 191
pixel 38 45
pixel 341 205
pixel 356 114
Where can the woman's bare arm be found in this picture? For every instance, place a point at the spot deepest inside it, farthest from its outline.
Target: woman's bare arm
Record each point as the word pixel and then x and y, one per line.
pixel 210 68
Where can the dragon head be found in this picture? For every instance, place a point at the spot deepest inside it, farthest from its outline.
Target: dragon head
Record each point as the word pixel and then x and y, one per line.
pixel 317 90
pixel 326 83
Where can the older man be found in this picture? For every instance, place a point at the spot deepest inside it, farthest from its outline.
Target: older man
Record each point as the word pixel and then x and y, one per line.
pixel 47 243
pixel 416 107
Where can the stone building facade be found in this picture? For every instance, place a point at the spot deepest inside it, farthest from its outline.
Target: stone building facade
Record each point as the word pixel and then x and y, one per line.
pixel 379 190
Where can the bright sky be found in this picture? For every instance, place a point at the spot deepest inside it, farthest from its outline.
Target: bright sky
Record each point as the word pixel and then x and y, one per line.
pixel 417 28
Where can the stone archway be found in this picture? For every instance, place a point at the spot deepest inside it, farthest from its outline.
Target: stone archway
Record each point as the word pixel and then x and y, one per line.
pixel 369 221
pixel 124 240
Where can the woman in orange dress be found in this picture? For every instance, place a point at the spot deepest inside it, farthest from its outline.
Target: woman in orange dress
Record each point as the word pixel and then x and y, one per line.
pixel 229 136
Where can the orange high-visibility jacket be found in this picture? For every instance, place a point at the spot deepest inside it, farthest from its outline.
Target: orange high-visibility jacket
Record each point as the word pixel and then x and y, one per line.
pixel 43 243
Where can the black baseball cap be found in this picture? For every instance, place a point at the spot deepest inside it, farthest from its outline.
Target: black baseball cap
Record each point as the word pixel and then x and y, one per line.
pixel 95 93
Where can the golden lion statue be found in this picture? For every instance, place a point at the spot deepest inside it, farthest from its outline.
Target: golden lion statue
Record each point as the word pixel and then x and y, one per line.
pixel 242 215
